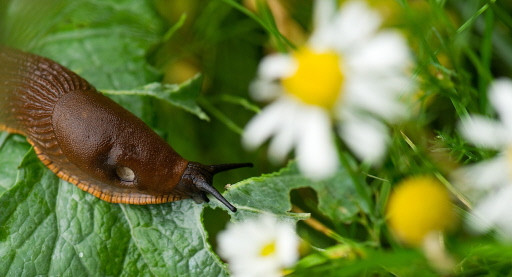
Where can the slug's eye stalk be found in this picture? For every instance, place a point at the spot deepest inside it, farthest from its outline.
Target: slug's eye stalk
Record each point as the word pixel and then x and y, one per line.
pixel 197 180
pixel 204 187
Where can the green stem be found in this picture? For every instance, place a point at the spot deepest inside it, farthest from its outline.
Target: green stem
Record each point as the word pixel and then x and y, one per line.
pixel 282 42
pixel 486 56
pixel 220 116
pixel 474 17
pixel 243 102
pixel 436 172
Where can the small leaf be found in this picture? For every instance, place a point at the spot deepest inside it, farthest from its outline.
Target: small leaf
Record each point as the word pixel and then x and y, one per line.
pixel 183 95
pixel 271 193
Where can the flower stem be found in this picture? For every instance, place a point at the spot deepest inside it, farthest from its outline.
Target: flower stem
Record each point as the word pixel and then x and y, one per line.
pixel 320 227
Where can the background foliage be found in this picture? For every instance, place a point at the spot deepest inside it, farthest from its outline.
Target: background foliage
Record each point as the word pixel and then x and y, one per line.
pixel 132 51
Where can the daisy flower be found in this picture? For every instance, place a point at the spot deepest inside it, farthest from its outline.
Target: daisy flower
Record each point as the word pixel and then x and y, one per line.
pixel 490 181
pixel 349 74
pixel 259 247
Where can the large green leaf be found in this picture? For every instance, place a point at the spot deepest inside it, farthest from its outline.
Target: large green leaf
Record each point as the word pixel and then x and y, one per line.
pixel 50 227
pixel 105 41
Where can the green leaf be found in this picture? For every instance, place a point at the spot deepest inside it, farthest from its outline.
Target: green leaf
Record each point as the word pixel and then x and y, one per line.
pixel 183 95
pixel 50 227
pixel 103 41
pixel 12 149
pixel 337 197
pixel 368 262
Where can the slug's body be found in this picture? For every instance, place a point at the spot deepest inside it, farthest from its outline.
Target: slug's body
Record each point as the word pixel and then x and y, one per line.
pixel 89 140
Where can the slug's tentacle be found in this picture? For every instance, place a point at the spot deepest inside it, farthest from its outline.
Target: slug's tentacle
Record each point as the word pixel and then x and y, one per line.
pixel 89 140
pixel 197 181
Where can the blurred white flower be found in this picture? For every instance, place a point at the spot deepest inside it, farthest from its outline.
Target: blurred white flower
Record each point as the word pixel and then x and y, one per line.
pixel 349 73
pixel 259 247
pixel 491 179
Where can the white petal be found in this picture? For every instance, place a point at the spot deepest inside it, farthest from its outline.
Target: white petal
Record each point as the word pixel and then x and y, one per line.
pixel 316 153
pixel 384 54
pixel 495 211
pixel 397 84
pixel 369 97
pixel 355 23
pixel 485 175
pixel 287 244
pixel 287 136
pixel 484 132
pixel 324 11
pixel 323 34
pixel 367 138
pixel 500 94
pixel 264 124
pixel 276 66
pixel 282 144
pixel 392 86
pixel 263 90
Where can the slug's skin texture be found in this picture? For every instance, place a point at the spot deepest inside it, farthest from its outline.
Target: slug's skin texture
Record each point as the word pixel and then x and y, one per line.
pixel 85 138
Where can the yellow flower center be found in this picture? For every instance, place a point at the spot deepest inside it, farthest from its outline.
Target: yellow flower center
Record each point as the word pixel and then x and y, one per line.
pixel 317 79
pixel 417 207
pixel 268 249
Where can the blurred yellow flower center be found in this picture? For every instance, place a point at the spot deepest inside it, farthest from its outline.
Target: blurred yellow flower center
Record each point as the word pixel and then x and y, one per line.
pixel 317 79
pixel 417 207
pixel 268 249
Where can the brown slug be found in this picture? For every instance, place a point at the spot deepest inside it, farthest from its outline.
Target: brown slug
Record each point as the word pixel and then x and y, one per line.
pixel 87 139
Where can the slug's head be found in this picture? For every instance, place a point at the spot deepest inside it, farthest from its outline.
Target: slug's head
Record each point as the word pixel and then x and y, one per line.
pixel 197 179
